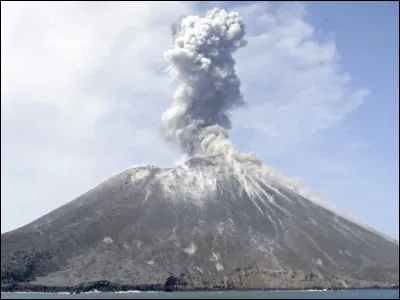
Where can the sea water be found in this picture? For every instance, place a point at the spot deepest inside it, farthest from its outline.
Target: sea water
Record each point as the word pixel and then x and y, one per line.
pixel 349 294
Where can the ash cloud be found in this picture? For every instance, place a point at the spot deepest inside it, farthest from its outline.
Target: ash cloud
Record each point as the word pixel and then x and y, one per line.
pixel 208 88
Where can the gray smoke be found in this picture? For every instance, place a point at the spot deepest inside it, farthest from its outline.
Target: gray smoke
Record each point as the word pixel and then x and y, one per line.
pixel 208 89
pixel 202 65
pixel 203 68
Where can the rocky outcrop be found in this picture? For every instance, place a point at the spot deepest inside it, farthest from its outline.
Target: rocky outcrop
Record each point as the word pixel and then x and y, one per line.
pixel 248 278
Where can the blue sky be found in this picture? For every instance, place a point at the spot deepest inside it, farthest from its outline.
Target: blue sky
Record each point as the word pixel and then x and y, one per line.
pixel 364 180
pixel 367 38
pixel 79 102
pixel 367 34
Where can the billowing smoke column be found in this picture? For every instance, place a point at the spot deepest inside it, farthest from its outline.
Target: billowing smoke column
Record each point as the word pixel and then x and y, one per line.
pixel 202 65
pixel 208 89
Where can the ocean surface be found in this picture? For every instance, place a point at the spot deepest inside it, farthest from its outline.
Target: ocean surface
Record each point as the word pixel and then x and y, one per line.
pixel 354 294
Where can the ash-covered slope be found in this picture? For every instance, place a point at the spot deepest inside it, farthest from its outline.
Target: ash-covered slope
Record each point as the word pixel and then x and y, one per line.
pixel 147 224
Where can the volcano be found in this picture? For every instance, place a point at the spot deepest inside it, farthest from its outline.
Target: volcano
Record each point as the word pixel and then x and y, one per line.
pixel 222 219
pixel 147 224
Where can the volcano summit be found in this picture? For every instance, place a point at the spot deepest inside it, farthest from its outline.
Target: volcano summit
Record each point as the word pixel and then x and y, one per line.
pixel 221 219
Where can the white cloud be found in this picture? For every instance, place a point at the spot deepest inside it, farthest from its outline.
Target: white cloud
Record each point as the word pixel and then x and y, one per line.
pixel 291 77
pixel 83 89
pixel 82 92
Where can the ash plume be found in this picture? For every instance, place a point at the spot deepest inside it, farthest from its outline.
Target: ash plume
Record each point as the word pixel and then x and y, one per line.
pixel 208 88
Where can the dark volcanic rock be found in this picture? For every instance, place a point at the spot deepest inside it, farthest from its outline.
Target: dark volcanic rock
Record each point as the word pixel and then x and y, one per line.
pixel 195 227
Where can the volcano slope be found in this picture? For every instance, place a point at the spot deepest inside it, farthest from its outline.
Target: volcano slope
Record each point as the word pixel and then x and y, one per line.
pixel 147 224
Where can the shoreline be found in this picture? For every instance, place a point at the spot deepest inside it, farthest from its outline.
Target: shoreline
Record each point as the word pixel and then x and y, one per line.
pixel 108 287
